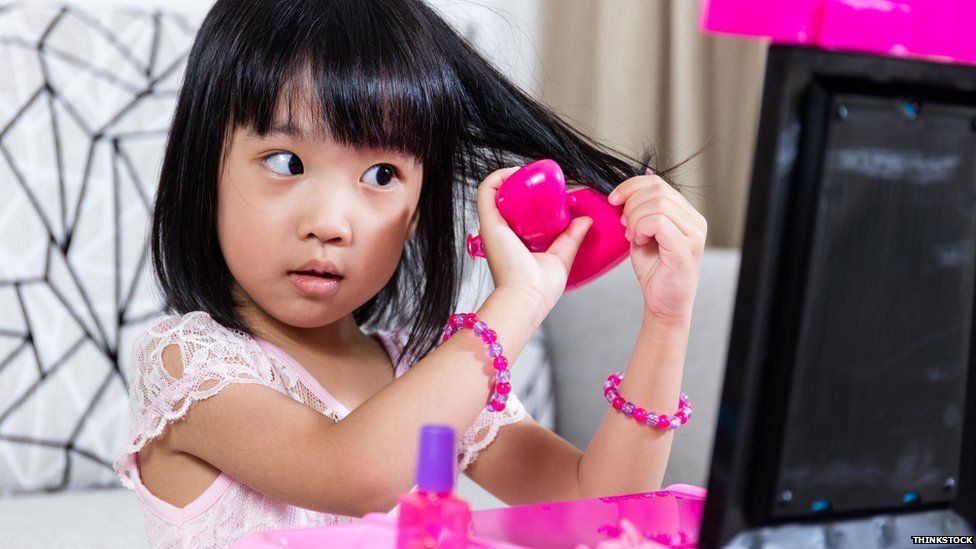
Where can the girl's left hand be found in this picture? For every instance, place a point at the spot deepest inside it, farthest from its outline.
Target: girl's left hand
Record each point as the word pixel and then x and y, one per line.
pixel 667 238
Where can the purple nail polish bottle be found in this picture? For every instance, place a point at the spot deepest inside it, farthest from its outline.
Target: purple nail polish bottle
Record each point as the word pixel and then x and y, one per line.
pixel 433 516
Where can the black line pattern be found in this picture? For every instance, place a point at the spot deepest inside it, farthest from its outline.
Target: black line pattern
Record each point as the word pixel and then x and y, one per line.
pixel 83 121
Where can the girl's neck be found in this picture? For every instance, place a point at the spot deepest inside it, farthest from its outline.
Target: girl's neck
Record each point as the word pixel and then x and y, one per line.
pixel 341 338
pixel 337 339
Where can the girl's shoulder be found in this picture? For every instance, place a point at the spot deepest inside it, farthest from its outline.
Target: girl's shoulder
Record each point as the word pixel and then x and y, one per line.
pixel 195 333
pixel 196 326
pixel 193 321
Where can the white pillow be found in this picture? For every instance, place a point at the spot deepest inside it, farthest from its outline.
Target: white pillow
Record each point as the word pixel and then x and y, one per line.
pixel 63 391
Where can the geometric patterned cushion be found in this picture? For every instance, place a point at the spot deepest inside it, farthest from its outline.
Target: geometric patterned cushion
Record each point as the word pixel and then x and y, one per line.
pixel 84 108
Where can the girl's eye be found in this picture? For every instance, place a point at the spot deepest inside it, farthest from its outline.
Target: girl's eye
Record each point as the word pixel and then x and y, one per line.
pixel 285 164
pixel 382 173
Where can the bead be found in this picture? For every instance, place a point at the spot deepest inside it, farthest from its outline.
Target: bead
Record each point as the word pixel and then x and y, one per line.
pixel 627 408
pixel 663 421
pixel 651 419
pixel 479 327
pixel 614 379
pixel 503 376
pixel 494 350
pixel 618 403
pixel 457 319
pixel 611 396
pixel 497 406
pixel 683 397
pixel 639 415
pixel 488 336
pixel 608 385
pixel 503 398
pixel 503 388
pixel 675 423
pixel 469 320
pixel 609 390
pixel 500 363
pixel 681 417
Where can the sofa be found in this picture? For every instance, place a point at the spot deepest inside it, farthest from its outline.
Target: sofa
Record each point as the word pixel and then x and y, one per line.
pixel 590 329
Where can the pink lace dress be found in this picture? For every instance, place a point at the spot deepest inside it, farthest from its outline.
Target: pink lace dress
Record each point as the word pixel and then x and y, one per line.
pixel 216 357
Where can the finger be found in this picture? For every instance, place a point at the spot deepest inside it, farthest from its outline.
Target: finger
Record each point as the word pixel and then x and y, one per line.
pixel 568 242
pixel 487 191
pixel 662 205
pixel 640 199
pixel 680 199
pixel 622 192
pixel 670 240
pixel 625 190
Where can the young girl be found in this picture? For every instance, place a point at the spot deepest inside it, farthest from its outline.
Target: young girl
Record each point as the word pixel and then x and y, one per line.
pixel 305 237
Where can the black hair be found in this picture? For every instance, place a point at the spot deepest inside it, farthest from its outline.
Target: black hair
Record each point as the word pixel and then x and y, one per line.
pixel 382 73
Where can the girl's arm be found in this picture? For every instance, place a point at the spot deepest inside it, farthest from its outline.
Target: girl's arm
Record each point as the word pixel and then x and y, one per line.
pixel 288 451
pixel 527 463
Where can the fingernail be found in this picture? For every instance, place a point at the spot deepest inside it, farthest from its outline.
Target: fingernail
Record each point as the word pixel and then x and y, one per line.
pixel 612 198
pixel 623 220
pixel 583 227
pixel 649 171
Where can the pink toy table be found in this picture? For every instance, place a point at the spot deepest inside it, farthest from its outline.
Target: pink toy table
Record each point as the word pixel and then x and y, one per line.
pixel 670 518
pixel 667 518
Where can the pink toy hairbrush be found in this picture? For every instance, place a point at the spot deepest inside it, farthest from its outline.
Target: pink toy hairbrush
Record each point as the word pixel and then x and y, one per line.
pixel 538 208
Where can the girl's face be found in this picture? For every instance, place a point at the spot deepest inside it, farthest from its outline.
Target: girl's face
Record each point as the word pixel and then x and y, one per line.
pixel 289 198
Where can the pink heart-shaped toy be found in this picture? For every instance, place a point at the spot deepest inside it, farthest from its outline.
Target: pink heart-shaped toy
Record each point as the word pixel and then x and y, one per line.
pixel 538 208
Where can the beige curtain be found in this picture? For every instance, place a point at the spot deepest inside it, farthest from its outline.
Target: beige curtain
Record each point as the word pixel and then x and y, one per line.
pixel 628 71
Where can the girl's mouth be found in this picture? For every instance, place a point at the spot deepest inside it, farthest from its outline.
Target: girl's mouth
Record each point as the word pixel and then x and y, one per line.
pixel 313 284
pixel 313 273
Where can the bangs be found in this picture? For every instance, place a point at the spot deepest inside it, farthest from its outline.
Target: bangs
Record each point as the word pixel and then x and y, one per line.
pixel 350 71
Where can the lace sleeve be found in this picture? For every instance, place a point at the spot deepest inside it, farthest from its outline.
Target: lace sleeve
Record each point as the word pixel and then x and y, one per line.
pixel 485 429
pixel 213 358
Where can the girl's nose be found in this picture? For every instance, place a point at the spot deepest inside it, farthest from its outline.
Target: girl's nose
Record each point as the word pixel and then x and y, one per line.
pixel 327 212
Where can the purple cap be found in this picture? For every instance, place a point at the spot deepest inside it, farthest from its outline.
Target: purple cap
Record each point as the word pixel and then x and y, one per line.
pixel 436 461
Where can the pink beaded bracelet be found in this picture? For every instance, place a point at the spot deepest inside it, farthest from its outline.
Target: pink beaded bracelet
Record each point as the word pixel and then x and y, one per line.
pixel 641 415
pixel 502 387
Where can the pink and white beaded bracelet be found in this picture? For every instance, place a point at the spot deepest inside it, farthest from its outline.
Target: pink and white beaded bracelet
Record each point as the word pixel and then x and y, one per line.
pixel 501 387
pixel 641 415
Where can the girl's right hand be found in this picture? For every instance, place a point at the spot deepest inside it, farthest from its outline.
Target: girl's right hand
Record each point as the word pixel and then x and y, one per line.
pixel 540 276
